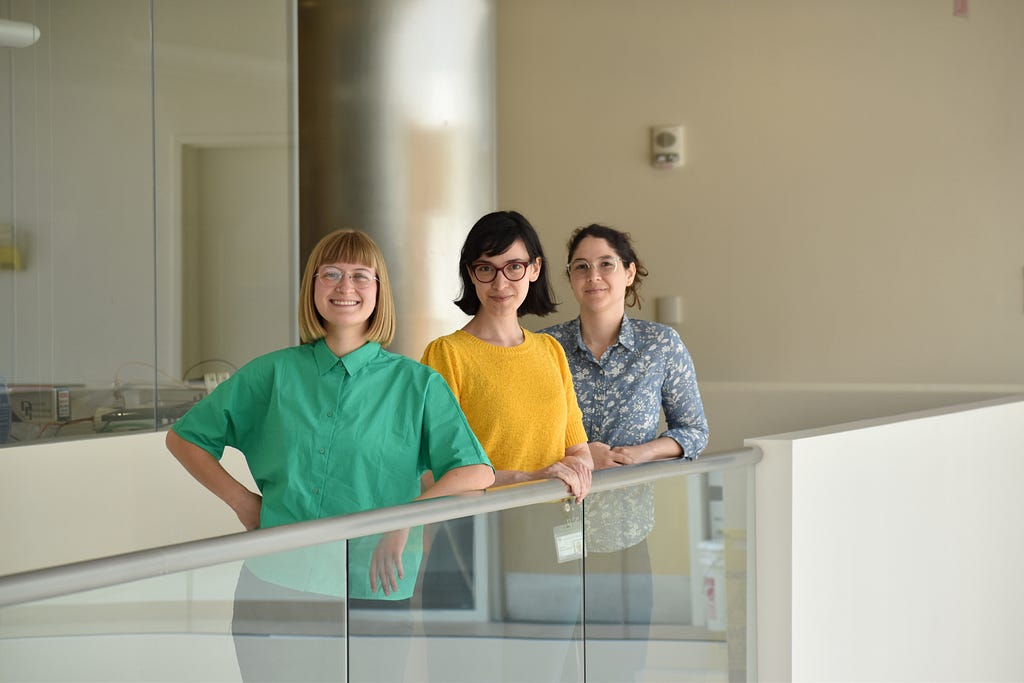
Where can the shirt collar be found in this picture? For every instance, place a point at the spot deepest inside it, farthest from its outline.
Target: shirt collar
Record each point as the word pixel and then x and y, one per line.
pixel 353 362
pixel 626 334
pixel 626 337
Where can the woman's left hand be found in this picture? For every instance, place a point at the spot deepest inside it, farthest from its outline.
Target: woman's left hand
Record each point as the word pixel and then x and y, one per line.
pixel 386 563
pixel 627 455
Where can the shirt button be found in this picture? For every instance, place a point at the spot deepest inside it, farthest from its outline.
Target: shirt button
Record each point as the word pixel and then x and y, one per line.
pixel 330 413
pixel 323 450
pixel 316 490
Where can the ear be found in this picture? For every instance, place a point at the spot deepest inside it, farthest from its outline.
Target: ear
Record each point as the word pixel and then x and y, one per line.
pixel 535 267
pixel 630 274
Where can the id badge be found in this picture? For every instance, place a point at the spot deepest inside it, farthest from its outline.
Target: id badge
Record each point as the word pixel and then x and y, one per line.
pixel 569 538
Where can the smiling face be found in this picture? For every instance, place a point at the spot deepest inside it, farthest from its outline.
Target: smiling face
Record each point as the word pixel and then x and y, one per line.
pixel 596 289
pixel 503 296
pixel 348 301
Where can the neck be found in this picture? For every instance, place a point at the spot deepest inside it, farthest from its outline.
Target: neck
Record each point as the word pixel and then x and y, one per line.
pixel 343 342
pixel 497 331
pixel 600 329
pixel 601 325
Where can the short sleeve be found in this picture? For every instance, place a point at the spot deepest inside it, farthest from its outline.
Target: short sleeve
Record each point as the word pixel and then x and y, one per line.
pixel 575 433
pixel 228 413
pixel 448 441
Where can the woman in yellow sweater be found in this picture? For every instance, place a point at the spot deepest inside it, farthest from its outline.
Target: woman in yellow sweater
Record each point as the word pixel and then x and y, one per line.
pixel 514 386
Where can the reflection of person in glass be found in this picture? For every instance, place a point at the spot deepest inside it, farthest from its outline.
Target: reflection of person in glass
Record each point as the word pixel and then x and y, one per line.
pixel 333 426
pixel 625 372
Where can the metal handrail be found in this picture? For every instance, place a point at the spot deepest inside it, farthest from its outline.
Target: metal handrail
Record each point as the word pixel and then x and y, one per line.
pixel 142 564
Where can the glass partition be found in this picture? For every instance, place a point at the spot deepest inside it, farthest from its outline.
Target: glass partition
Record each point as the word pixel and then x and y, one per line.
pixel 505 595
pixel 146 156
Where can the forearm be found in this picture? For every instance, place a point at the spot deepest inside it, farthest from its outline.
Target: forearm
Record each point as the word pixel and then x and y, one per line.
pixel 205 469
pixel 506 477
pixel 460 480
pixel 662 448
pixel 581 453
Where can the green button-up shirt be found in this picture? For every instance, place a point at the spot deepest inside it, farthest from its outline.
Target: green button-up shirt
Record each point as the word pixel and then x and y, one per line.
pixel 326 436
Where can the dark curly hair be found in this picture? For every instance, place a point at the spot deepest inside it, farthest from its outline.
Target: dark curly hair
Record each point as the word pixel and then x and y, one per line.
pixel 622 243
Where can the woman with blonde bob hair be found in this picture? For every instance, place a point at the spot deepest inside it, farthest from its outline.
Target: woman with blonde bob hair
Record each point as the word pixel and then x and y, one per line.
pixel 348 246
pixel 334 426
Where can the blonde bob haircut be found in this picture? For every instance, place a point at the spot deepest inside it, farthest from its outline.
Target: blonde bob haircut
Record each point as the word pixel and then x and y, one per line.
pixel 347 246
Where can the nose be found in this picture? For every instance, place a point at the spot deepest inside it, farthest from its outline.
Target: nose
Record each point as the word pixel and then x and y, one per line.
pixel 344 283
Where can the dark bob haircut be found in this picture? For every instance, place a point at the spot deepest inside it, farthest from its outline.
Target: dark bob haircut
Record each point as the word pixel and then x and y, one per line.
pixel 492 235
pixel 622 244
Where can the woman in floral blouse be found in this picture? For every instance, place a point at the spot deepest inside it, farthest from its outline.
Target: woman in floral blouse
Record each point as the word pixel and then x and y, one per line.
pixel 626 372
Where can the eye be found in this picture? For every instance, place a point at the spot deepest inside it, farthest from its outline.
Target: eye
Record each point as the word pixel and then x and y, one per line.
pixel 361 278
pixel 579 266
pixel 516 267
pixel 330 275
pixel 483 269
pixel 606 264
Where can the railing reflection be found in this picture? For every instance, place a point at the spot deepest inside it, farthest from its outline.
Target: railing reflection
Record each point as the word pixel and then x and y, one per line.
pixel 660 589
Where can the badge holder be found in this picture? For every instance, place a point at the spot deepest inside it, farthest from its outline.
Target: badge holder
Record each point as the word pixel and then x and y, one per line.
pixel 569 536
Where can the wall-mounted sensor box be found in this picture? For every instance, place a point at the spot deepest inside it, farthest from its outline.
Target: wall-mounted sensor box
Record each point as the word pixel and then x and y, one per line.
pixel 667 146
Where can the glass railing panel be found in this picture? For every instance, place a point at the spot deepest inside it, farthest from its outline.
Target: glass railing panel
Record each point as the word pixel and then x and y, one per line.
pixel 275 617
pixel 173 627
pixel 497 596
pixel 494 601
pixel 666 581
pixel 384 580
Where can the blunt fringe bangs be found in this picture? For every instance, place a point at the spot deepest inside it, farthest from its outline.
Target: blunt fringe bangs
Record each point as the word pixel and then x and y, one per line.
pixel 347 246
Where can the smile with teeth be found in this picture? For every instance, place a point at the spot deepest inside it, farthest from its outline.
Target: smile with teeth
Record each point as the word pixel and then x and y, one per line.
pixel 344 302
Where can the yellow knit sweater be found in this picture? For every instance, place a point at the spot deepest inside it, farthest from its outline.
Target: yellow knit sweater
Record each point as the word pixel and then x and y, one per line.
pixel 519 400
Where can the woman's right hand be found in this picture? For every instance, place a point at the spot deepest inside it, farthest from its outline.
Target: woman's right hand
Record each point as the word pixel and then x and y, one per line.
pixel 577 477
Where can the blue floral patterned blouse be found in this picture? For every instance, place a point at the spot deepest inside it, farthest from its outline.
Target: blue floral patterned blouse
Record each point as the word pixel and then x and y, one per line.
pixel 622 395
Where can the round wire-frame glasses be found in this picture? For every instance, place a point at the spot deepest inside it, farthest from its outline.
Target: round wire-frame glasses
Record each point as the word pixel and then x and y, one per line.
pixel 332 277
pixel 603 266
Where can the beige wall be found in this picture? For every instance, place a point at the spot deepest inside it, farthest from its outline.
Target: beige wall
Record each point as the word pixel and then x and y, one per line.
pixel 849 210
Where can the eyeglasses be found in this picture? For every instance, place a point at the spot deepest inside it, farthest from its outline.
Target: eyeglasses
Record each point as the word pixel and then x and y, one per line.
pixel 603 266
pixel 332 277
pixel 514 271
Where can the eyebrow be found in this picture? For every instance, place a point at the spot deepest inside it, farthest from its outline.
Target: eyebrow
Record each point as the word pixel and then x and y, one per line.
pixel 480 261
pixel 368 269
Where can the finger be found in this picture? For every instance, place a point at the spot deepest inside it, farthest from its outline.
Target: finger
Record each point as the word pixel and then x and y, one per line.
pixel 573 480
pixel 392 583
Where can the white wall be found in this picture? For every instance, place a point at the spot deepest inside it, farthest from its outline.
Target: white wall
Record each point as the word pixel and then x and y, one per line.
pixel 62 502
pixel 890 549
pixel 849 210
